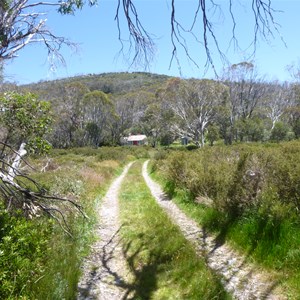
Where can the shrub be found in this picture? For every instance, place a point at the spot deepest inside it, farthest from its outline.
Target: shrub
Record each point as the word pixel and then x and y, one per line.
pixel 192 147
pixel 22 246
pixel 38 260
pixel 236 177
pixel 213 133
pixel 255 190
pixel 279 132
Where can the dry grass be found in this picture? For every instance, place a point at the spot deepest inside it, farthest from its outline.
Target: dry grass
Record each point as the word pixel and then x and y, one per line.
pixel 108 164
pixel 94 178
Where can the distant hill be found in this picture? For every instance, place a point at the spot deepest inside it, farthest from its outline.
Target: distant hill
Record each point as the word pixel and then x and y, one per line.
pixel 110 83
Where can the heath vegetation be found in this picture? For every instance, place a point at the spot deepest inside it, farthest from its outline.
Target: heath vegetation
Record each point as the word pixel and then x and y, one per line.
pixel 247 194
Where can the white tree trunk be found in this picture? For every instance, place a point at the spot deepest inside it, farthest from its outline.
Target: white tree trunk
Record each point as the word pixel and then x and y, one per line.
pixel 16 163
pixel 12 170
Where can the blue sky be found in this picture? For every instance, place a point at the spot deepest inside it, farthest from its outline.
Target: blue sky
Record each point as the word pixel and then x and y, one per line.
pixel 94 30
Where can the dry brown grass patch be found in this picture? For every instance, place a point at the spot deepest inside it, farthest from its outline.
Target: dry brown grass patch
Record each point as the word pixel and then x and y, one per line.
pixel 92 176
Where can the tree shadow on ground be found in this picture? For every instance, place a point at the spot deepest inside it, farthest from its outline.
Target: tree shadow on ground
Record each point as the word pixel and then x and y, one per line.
pixel 145 274
pixel 142 282
pixel 100 268
pixel 243 264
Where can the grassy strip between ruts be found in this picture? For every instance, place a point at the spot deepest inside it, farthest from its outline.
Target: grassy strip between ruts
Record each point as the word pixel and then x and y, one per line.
pixel 164 264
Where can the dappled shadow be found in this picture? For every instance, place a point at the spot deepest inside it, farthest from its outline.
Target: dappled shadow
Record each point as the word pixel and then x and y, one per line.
pixel 143 280
pixel 145 274
pixel 240 277
pixel 101 270
pixel 235 269
pixel 164 197
pixel 220 239
pixel 269 291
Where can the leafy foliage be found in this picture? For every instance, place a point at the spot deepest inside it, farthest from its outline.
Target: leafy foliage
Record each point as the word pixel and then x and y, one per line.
pixel 279 132
pixel 23 245
pixel 25 119
pixel 37 259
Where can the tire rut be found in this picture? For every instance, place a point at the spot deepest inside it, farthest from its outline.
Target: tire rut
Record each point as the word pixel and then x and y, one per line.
pixel 105 271
pixel 239 278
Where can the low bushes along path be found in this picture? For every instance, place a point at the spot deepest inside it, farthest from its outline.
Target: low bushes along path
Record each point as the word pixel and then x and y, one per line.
pixel 105 274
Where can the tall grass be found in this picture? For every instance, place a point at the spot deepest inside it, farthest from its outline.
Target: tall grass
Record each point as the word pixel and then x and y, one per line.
pixel 37 259
pixel 163 263
pixel 255 192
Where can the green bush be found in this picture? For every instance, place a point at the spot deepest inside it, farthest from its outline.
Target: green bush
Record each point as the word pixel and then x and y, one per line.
pixel 255 189
pixel 205 172
pixel 236 177
pixel 38 260
pixel 23 244
pixel 279 132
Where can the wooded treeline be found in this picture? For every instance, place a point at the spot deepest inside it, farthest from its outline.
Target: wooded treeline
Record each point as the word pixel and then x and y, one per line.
pixel 96 110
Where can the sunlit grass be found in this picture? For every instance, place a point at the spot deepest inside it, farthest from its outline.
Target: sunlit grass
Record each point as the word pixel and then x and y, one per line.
pixel 163 263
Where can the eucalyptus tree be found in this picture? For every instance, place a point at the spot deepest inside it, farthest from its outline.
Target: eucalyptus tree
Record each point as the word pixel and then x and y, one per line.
pixel 293 111
pixel 24 119
pixel 195 104
pixel 24 122
pixel 246 91
pixel 23 22
pixel 278 99
pixel 68 114
pixel 131 108
pixel 98 117
pixel 157 122
pixel 125 109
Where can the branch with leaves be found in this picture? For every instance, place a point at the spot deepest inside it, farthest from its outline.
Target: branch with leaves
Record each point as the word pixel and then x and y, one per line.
pixel 23 22
pixel 24 121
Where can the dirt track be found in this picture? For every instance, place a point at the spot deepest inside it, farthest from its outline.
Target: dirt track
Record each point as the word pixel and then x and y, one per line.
pixel 241 279
pixel 105 274
pixel 105 271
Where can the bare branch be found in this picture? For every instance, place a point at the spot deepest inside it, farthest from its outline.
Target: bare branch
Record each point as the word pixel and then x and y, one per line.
pixel 22 192
pixel 139 38
pixel 264 22
pixel 21 26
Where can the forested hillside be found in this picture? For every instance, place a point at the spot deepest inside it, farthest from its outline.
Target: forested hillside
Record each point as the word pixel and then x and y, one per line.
pixel 95 110
pixel 109 83
pixel 99 109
